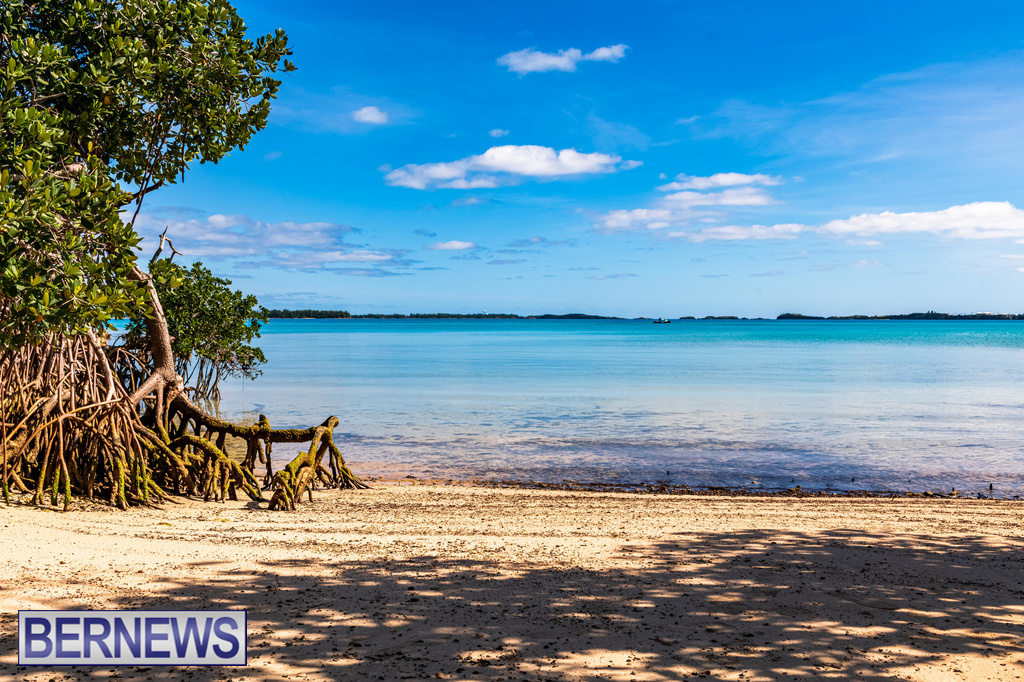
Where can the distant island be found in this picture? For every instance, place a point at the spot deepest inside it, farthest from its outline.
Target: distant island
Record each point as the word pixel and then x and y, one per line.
pixel 345 315
pixel 930 315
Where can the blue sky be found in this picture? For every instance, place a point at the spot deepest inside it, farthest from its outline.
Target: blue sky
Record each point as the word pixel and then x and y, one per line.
pixel 644 158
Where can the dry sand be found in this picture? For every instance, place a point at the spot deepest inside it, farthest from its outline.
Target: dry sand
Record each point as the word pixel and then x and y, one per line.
pixel 454 582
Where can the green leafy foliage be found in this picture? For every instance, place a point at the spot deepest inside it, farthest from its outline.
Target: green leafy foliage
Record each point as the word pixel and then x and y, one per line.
pixel 101 102
pixel 212 325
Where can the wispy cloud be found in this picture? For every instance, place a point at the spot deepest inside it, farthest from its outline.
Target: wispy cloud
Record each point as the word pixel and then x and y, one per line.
pixel 829 267
pixel 250 243
pixel 960 113
pixel 612 136
pixel 239 235
pixel 467 201
pixel 533 61
pixel 740 232
pixel 368 272
pixel 539 242
pixel 684 181
pixel 617 275
pixel 303 261
pixel 498 132
pixel 507 261
pixel 505 165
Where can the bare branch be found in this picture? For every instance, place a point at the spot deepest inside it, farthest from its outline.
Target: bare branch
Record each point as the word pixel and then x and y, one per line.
pixel 164 239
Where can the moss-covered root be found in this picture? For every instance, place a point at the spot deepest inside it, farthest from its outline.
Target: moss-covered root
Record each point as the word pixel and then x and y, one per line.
pixel 218 462
pixel 297 476
pixel 343 476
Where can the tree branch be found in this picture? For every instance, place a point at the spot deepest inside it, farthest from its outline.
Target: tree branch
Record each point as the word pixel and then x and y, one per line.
pixel 165 239
pixel 40 100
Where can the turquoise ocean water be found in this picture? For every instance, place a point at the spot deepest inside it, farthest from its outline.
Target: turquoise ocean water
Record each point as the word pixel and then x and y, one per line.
pixel 895 405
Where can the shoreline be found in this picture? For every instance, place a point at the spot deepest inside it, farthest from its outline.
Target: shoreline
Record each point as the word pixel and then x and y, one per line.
pixel 470 582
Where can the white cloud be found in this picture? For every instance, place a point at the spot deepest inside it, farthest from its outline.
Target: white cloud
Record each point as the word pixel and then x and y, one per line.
pixel 742 196
pixel 978 220
pixel 529 60
pixel 500 166
pixel 452 246
pixel 544 161
pixel 498 132
pixel 737 232
pixel 339 110
pixel 532 61
pixel 370 115
pixel 683 208
pixel 626 221
pixel 684 181
pixel 612 53
pixel 694 212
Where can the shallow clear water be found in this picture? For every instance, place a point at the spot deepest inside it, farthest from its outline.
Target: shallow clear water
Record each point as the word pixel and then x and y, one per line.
pixel 913 405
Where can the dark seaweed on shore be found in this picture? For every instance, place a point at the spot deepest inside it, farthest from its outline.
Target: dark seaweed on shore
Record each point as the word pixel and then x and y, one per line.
pixel 722 491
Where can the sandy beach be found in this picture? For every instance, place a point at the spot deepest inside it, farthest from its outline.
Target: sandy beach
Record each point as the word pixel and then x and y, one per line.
pixel 470 583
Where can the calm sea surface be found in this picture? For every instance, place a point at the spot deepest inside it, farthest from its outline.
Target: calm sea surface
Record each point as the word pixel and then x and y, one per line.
pixel 912 405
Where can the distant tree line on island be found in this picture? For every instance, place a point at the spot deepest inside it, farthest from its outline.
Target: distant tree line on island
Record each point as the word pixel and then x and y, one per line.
pixel 345 315
pixel 307 314
pixel 930 315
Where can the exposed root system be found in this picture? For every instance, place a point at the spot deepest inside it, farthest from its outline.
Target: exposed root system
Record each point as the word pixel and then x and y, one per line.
pixel 79 418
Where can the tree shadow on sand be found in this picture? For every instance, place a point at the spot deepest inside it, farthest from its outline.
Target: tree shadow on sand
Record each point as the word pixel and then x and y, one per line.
pixel 742 605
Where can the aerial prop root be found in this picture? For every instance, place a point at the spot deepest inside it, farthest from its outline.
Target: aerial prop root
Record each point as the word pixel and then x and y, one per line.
pixel 69 428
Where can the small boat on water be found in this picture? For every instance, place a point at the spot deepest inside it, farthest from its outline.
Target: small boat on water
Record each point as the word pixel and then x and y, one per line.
pixel 662 320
